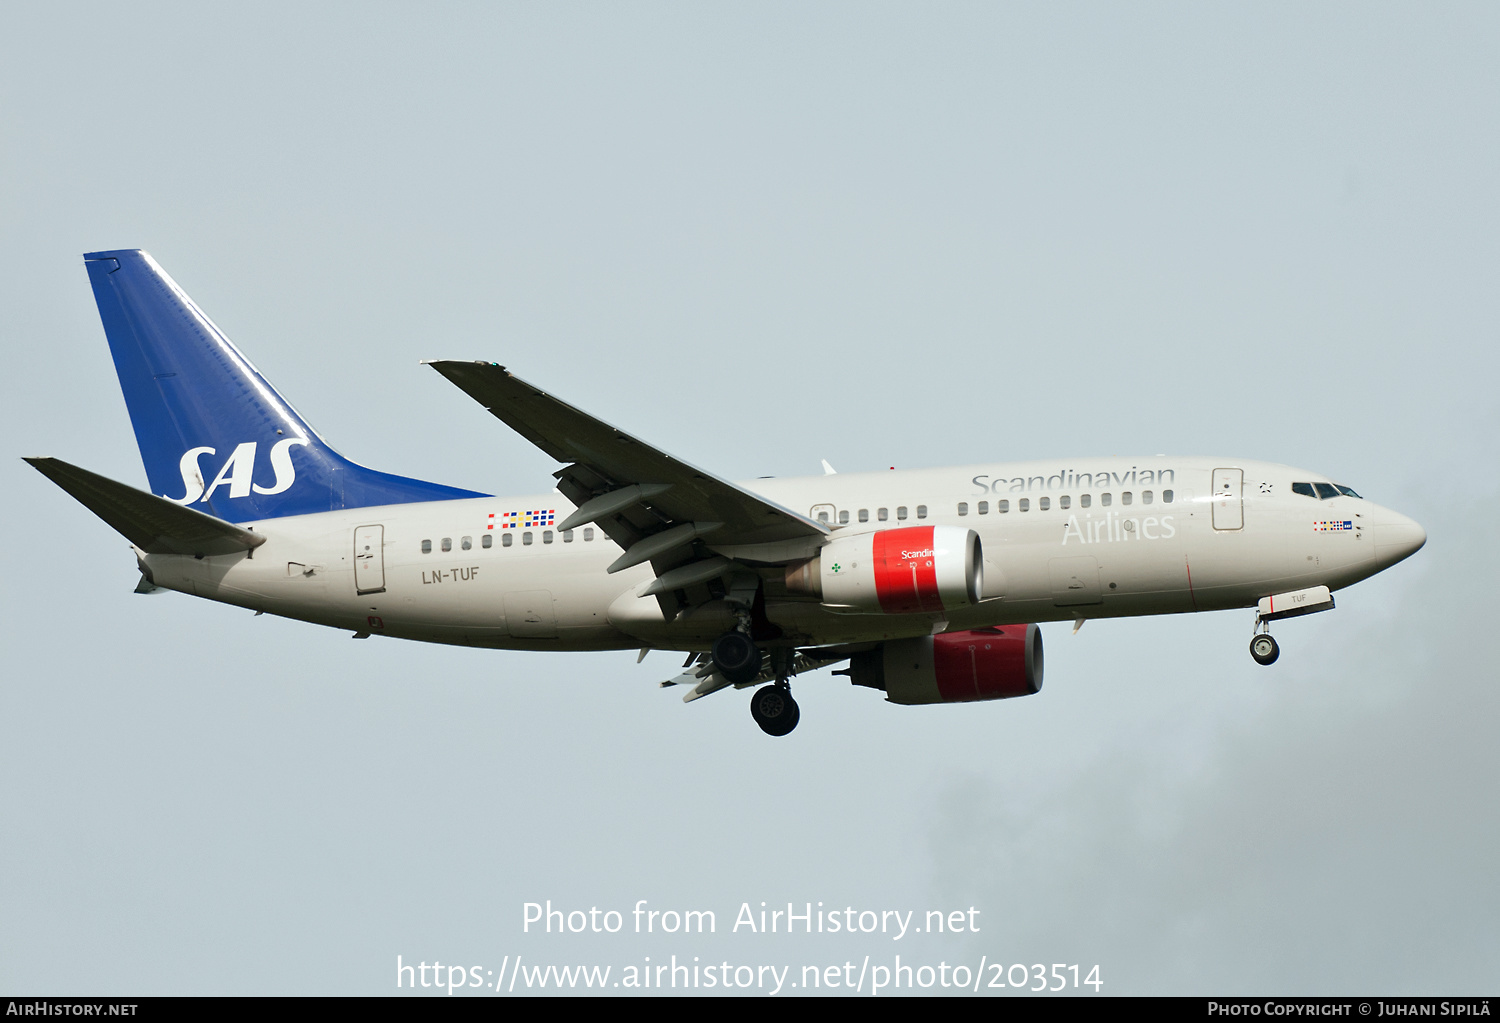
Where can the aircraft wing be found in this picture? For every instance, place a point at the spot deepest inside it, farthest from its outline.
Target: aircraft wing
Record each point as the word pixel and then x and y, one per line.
pixel 653 505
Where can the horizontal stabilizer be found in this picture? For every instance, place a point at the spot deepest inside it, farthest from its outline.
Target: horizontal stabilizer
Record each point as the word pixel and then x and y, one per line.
pixel 154 524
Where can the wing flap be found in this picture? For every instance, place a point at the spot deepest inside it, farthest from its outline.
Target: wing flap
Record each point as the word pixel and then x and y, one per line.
pixel 154 524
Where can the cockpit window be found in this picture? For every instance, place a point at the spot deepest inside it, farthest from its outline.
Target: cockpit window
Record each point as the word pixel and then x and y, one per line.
pixel 1322 491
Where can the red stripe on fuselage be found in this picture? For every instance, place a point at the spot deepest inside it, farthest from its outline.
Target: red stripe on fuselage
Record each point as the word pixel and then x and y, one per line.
pixel 906 570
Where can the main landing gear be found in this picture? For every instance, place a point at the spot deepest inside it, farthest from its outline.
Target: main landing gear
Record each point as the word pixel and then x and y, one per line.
pixel 772 706
pixel 774 710
pixel 736 658
pixel 738 661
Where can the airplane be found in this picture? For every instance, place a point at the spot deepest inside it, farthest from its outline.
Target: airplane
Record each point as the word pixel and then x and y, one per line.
pixel 929 583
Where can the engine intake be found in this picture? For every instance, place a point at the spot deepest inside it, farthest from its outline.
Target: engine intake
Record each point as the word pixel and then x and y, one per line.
pixel 955 667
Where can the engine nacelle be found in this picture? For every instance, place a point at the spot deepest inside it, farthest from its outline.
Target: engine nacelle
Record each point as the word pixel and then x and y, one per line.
pixel 955 667
pixel 911 570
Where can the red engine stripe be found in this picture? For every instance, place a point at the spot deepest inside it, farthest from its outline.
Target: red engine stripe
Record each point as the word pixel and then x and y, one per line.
pixel 906 571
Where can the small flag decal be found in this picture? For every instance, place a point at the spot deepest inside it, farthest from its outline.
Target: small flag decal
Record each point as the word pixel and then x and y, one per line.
pixel 511 520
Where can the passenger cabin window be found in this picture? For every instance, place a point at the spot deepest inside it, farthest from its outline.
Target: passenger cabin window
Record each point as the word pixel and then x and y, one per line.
pixel 1044 504
pixel 823 517
pixel 921 511
pixel 546 536
pixel 1127 498
pixel 1146 497
pixel 963 507
pixel 588 534
pixel 1166 497
pixel 426 546
pixel 882 514
pixel 1002 507
pixel 1065 501
pixel 1105 500
pixel 984 507
pixel 1085 500
pixel 864 515
pixel 567 536
pixel 506 539
pixel 1024 504
pixel 487 541
pixel 526 539
pixel 901 513
pixel 447 543
pixel 843 518
pixel 467 543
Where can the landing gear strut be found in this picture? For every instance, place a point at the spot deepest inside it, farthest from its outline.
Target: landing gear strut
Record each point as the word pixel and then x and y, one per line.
pixel 774 710
pixel 772 706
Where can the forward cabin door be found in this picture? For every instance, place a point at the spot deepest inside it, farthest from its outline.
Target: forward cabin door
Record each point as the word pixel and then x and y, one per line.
pixel 369 559
pixel 1229 502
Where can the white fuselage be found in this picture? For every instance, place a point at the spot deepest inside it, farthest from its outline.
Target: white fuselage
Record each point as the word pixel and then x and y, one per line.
pixel 1062 539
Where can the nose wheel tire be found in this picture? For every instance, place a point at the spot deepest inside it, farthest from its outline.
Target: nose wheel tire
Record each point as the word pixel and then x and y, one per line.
pixel 774 710
pixel 1264 649
pixel 736 658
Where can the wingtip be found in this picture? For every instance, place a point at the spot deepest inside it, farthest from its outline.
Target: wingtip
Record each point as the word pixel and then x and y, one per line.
pixel 459 362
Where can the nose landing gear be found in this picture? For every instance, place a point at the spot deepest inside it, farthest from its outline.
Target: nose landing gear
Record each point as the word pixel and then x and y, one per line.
pixel 1277 606
pixel 1264 649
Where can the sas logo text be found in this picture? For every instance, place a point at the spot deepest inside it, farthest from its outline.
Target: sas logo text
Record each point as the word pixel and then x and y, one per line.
pixel 236 473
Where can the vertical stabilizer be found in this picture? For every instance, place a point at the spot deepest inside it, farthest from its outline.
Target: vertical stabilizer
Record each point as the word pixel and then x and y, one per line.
pixel 214 434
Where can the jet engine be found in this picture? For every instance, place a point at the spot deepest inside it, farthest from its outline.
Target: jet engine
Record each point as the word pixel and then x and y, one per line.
pixel 993 663
pixel 911 570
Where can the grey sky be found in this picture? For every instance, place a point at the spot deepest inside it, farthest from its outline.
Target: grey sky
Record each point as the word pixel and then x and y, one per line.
pixel 759 236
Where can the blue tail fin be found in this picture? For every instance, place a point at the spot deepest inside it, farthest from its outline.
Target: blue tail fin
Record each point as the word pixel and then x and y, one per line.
pixel 214 434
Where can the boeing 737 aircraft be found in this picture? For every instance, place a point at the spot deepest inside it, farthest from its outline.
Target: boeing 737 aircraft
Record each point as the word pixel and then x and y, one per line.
pixel 928 582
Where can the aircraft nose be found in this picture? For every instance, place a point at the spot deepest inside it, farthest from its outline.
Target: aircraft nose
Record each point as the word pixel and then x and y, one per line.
pixel 1397 538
